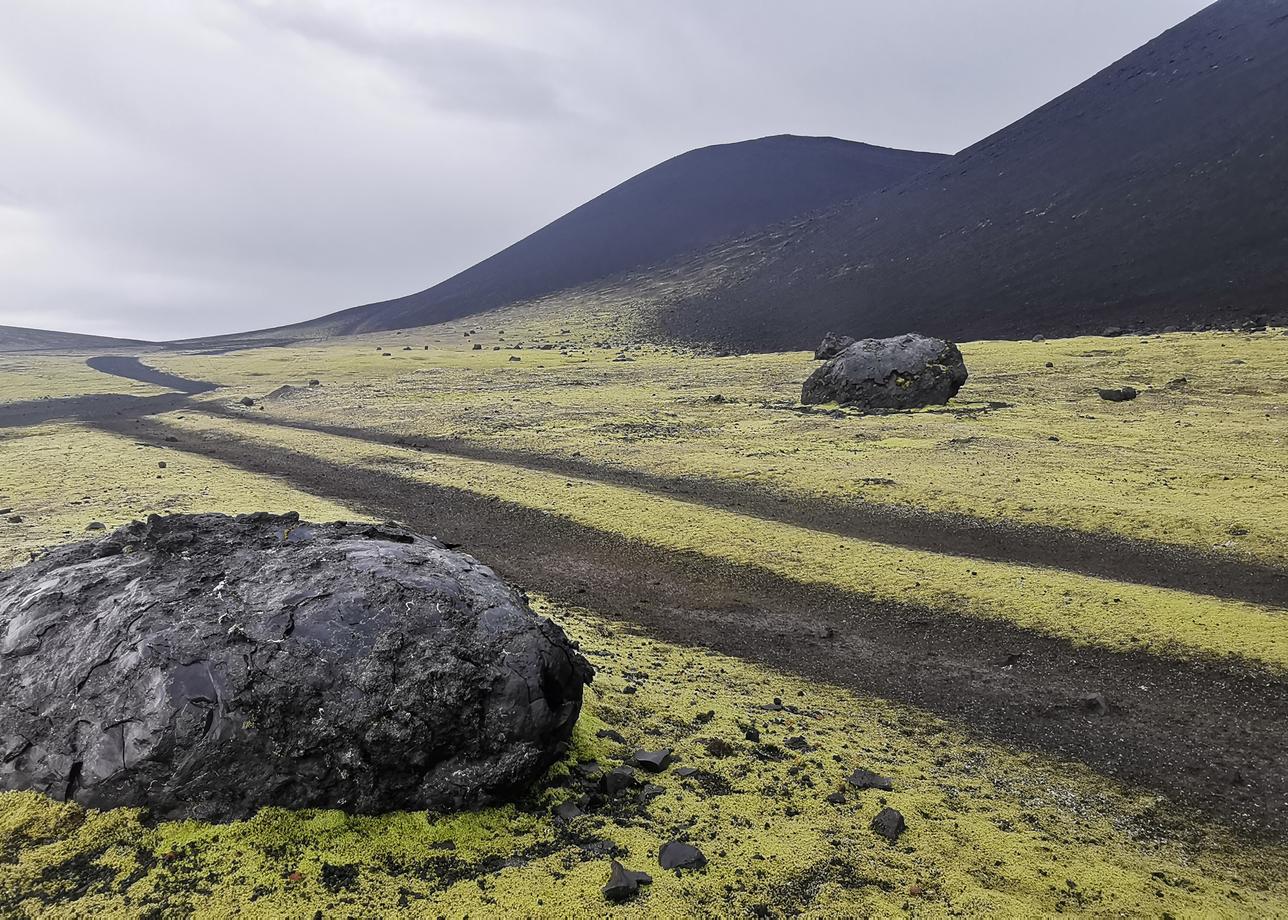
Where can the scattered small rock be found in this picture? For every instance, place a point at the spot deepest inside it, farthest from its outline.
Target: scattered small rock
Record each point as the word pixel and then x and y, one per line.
pixel 477 347
pixel 610 734
pixel 246 401
pixel 752 735
pixel 95 525
pixel 567 811
pixel 171 439
pixel 686 772
pixel 619 778
pixel 315 382
pixel 832 345
pixel 1095 704
pixel 836 798
pixel 889 824
pixel 1120 394
pixel 652 761
pixel 624 884
pixel 718 747
pixel 15 519
pixel 680 855
pixel 866 779
pixel 515 358
pixel 1050 364
pixel 160 464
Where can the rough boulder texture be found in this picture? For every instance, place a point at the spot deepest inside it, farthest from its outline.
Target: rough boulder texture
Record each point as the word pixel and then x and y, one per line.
pixel 904 372
pixel 204 666
pixel 832 345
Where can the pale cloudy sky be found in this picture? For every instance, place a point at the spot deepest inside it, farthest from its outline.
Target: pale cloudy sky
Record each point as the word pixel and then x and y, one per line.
pixel 185 167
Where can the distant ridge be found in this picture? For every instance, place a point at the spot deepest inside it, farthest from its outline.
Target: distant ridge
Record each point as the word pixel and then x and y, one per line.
pixel 1154 194
pixel 688 202
pixel 19 338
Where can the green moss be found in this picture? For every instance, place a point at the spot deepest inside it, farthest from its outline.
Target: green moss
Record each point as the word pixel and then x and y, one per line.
pixel 26 377
pixel 1087 610
pixel 60 477
pixel 989 832
pixel 1198 465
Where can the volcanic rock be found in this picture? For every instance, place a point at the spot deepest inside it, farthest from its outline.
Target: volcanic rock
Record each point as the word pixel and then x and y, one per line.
pixel 1120 394
pixel 905 372
pixel 624 884
pixel 204 666
pixel 832 345
pixel 866 779
pixel 680 855
pixel 889 824
pixel 652 761
pixel 620 778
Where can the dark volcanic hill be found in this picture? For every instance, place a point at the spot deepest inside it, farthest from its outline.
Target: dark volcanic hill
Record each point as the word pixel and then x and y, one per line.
pixel 689 202
pixel 1155 193
pixel 18 338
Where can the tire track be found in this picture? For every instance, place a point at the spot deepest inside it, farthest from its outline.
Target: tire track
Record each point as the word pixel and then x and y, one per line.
pixel 1204 734
pixel 1099 555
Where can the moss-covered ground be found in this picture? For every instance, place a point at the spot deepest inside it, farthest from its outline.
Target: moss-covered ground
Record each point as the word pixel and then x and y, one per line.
pixel 991 832
pixel 31 376
pixel 1200 459
pixel 1087 610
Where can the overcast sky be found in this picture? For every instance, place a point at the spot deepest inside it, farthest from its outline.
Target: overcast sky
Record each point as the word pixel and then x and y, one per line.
pixel 186 167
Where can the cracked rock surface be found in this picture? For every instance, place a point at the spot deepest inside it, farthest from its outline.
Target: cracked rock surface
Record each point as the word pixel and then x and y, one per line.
pixel 904 372
pixel 204 666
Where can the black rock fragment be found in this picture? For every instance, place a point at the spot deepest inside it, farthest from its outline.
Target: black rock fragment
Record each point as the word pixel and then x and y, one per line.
pixel 866 779
pixel 652 761
pixel 619 778
pixel 889 824
pixel 680 855
pixel 1119 394
pixel 567 811
pixel 624 884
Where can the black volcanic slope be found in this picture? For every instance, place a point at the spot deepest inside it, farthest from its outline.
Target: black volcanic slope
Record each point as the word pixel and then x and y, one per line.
pixel 688 202
pixel 17 338
pixel 1155 193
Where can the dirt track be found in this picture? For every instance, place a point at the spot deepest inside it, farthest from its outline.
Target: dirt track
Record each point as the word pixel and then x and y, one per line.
pixel 1204 734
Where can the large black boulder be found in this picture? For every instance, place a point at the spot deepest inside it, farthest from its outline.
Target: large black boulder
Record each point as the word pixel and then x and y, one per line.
pixel 203 665
pixel 905 372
